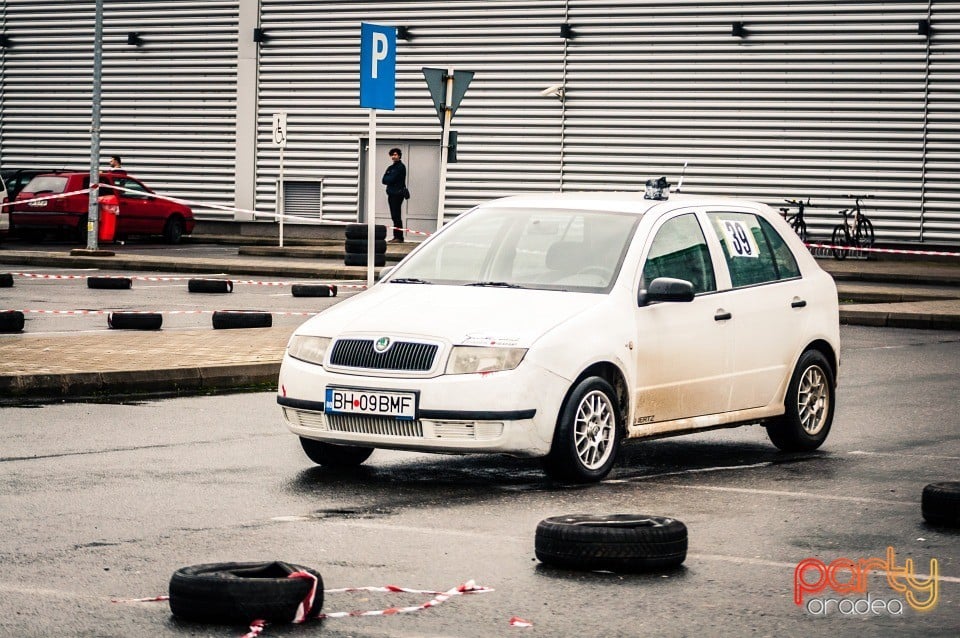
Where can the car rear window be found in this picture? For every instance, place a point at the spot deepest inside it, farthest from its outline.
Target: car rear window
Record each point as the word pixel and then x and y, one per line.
pixel 46 184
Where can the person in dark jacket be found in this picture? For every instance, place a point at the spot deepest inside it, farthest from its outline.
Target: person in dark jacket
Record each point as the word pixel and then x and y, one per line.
pixel 395 178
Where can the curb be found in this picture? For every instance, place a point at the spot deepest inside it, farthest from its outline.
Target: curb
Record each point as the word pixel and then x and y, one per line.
pixel 158 382
pixel 898 319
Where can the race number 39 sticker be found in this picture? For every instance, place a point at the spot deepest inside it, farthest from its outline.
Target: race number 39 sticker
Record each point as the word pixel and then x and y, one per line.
pixel 740 241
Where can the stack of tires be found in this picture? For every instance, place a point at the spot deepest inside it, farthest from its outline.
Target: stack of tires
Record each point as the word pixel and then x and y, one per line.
pixel 355 246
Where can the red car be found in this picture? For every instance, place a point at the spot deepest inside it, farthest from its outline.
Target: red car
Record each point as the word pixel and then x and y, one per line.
pixel 141 212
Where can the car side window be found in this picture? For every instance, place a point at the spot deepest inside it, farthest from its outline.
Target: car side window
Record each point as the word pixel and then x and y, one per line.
pixel 133 185
pixel 754 252
pixel 680 251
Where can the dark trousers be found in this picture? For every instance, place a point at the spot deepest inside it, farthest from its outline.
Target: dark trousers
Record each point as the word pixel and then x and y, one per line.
pixel 396 203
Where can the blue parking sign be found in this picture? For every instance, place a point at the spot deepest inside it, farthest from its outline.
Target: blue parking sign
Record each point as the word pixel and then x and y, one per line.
pixel 378 66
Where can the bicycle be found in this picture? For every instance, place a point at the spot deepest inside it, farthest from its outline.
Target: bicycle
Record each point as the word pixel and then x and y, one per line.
pixel 856 229
pixel 797 223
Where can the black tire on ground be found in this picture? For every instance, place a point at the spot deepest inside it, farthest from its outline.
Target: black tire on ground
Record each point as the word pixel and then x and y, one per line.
pixel 11 321
pixel 135 320
pixel 360 246
pixel 808 406
pixel 359 231
pixel 360 259
pixel 333 455
pixel 940 503
pixel 209 285
pixel 314 290
pixel 173 230
pixel 238 593
pixel 6 280
pixel 616 542
pixel 587 437
pixel 224 319
pixel 110 283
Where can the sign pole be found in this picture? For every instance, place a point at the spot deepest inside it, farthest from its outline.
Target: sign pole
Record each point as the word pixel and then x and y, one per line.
pixel 281 208
pixel 280 139
pixel 371 194
pixel 445 147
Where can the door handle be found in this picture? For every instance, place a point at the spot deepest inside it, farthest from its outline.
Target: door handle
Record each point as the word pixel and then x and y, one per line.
pixel 722 315
pixel 798 303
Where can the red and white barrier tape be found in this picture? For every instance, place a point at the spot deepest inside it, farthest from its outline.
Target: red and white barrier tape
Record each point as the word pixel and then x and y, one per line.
pixel 303 610
pixel 244 282
pixel 289 313
pixel 892 251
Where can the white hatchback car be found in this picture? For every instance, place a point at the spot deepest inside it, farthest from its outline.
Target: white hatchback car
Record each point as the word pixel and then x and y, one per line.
pixel 556 326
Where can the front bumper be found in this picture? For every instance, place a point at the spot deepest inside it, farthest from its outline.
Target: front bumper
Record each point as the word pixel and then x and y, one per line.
pixel 511 412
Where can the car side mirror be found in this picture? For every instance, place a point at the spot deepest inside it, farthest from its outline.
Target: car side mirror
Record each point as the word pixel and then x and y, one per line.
pixel 666 289
pixel 383 273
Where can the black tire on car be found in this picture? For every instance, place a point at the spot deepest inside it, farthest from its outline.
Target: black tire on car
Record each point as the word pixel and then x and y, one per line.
pixel 940 503
pixel 333 455
pixel 174 229
pixel 209 285
pixel 235 593
pixel 11 321
pixel 359 231
pixel 313 290
pixel 6 280
pixel 587 437
pixel 808 406
pixel 225 319
pixel 110 283
pixel 135 320
pixel 360 246
pixel 615 542
pixel 360 259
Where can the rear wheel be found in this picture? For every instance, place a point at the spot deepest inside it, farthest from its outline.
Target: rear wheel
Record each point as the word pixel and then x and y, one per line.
pixel 808 406
pixel 173 230
pixel 334 455
pixel 800 228
pixel 587 437
pixel 839 239
pixel 80 232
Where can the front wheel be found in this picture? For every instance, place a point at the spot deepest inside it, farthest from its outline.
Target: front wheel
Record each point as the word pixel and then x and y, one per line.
pixel 588 433
pixel 839 239
pixel 808 406
pixel 334 455
pixel 865 236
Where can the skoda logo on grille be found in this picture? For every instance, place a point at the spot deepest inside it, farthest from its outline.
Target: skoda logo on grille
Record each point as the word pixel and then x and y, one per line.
pixel 382 344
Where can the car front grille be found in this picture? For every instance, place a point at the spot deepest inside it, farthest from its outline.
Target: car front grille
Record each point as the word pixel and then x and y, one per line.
pixel 390 427
pixel 405 356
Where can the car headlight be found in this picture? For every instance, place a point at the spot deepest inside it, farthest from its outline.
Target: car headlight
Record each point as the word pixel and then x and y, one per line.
pixel 469 359
pixel 309 349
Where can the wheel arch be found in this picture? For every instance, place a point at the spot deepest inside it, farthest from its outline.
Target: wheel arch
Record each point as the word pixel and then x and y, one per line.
pixel 613 375
pixel 833 357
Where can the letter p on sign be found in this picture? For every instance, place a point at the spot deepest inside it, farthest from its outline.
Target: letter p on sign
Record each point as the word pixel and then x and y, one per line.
pixel 378 66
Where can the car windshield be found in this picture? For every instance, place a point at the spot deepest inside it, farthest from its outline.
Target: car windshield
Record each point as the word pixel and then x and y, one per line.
pixel 547 249
pixel 46 184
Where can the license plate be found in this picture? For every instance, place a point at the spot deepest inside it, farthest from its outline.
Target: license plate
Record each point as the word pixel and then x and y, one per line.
pixel 401 405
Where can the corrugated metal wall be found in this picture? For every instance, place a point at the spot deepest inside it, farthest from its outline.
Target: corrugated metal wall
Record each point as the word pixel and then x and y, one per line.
pixel 310 69
pixel 168 106
pixel 818 99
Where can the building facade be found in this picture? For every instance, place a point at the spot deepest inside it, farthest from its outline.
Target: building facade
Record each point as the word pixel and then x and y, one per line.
pixel 759 99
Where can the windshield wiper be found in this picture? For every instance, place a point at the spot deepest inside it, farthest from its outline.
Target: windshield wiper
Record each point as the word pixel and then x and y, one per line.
pixel 409 280
pixel 495 284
